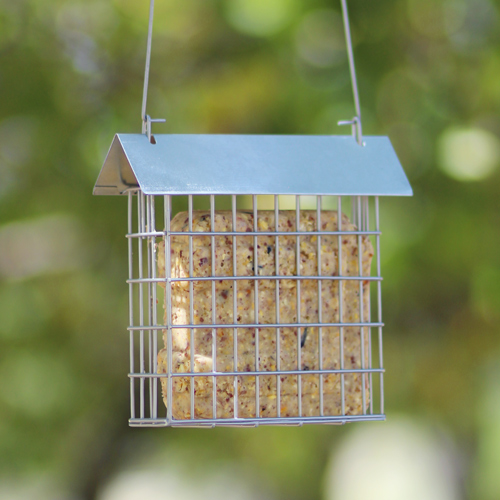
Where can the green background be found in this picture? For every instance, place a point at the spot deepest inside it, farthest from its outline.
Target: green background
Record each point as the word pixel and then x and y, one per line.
pixel 71 76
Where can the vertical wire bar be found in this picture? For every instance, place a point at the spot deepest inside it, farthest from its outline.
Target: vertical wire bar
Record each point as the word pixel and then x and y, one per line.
pixel 150 296
pixel 341 316
pixel 140 215
pixel 191 299
pixel 154 381
pixel 131 302
pixel 361 307
pixel 256 307
pixel 214 332
pixel 320 306
pixel 369 329
pixel 235 307
pixel 168 304
pixel 299 331
pixel 379 305
pixel 277 304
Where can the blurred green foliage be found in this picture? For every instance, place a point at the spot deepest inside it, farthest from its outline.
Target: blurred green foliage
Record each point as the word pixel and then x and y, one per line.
pixel 71 75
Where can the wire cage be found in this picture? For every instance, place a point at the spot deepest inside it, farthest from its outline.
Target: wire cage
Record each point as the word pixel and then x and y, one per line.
pixel 254 273
pixel 236 319
pixel 275 335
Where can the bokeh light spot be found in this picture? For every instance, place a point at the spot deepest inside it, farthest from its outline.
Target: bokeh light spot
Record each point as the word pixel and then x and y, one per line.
pixel 222 483
pixel 260 17
pixel 468 154
pixel 432 17
pixel 45 245
pixel 320 38
pixel 401 459
pixel 471 23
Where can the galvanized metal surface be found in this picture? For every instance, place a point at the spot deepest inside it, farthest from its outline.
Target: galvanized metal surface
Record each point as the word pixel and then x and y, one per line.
pixel 252 164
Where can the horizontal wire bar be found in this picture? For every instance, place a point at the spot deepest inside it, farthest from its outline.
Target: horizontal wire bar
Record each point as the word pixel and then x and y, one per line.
pixel 145 234
pixel 258 277
pixel 258 373
pixel 250 233
pixel 252 325
pixel 254 422
pixel 271 233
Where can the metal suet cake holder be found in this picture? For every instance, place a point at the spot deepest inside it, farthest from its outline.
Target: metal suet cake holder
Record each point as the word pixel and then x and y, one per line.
pixel 266 301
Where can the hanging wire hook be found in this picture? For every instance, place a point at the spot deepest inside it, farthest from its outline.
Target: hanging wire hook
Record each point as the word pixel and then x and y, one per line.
pixel 146 119
pixel 356 128
pixel 356 121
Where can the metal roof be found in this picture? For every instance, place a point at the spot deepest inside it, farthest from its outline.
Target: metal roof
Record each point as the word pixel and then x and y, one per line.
pixel 252 164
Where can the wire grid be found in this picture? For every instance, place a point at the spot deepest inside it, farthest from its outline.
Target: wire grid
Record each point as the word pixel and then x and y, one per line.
pixel 147 303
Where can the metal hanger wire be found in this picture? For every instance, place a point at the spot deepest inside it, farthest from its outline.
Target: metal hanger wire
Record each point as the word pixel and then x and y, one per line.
pixel 147 121
pixel 355 122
